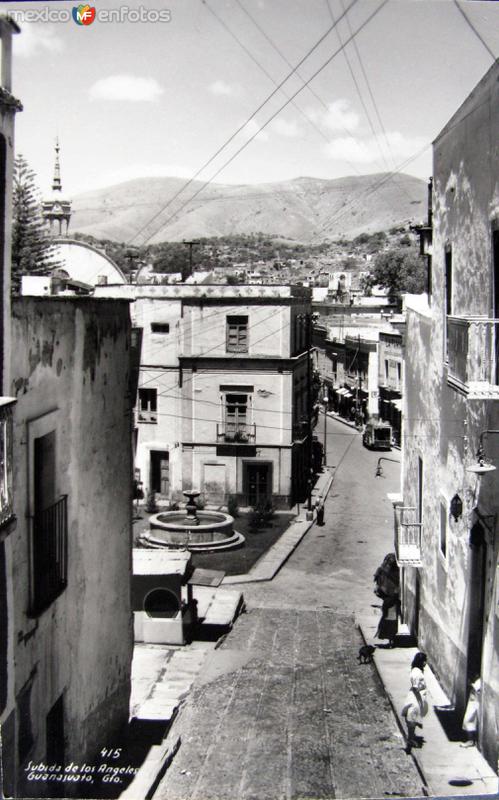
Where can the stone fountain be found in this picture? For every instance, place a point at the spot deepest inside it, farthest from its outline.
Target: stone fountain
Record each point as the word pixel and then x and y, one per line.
pixel 198 531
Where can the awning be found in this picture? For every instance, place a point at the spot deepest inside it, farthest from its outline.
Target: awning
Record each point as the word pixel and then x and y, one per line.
pixel 397 404
pixel 342 392
pixel 347 394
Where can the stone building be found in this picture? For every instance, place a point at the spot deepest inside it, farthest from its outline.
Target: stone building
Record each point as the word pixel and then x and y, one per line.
pixel 446 532
pixel 223 391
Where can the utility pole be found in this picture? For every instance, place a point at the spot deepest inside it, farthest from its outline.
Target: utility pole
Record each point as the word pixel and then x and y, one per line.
pixel 190 245
pixel 358 415
pixel 325 400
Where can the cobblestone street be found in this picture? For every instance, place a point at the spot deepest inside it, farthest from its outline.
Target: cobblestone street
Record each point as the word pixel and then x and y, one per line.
pixel 284 709
pixel 300 718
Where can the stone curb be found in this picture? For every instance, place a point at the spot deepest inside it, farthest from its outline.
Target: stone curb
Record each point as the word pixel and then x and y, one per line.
pixel 268 565
pixel 435 772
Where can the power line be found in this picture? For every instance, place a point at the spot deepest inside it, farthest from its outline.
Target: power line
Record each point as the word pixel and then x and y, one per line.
pixel 477 34
pixel 373 101
pixel 355 82
pixel 274 115
pixel 298 74
pixel 370 190
pixel 241 127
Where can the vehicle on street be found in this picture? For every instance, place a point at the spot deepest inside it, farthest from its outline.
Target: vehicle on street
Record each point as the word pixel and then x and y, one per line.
pixel 377 435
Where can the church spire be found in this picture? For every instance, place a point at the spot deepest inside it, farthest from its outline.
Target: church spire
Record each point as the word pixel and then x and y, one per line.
pixel 57 209
pixel 56 184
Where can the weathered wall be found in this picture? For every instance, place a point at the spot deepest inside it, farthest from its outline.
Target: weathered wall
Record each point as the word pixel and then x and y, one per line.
pixel 8 108
pixel 70 368
pixel 443 426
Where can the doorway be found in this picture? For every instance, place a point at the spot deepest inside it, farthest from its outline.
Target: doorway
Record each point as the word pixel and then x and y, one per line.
pixel 257 481
pixel 495 267
pixel 160 472
pixel 478 568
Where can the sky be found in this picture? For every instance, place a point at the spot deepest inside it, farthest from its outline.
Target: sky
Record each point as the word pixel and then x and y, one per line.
pixel 162 96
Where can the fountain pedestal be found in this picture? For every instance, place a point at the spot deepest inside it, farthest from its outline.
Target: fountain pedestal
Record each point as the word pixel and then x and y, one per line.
pixel 192 518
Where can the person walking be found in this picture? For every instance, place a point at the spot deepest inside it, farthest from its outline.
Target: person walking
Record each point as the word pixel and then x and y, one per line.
pixel 389 622
pixel 320 511
pixel 472 713
pixel 416 703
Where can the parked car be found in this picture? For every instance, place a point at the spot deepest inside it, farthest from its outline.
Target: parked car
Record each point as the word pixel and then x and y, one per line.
pixel 377 436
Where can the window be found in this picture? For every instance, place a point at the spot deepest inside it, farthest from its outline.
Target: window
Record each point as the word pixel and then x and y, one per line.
pixel 443 529
pixel 49 526
pixel 387 369
pixel 160 327
pixel 237 334
pixel 6 499
pixel 399 371
pixel 236 427
pixel 148 404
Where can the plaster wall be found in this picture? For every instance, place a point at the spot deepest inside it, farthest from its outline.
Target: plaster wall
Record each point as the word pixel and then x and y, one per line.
pixel 442 425
pixel 204 330
pixel 7 119
pixel 70 374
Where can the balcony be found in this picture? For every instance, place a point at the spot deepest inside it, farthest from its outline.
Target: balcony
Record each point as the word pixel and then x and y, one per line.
pixel 237 432
pixel 49 547
pixel 407 537
pixel 472 356
pixel 147 416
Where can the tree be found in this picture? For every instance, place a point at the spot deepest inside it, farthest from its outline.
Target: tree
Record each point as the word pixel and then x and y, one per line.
pixel 32 249
pixel 399 270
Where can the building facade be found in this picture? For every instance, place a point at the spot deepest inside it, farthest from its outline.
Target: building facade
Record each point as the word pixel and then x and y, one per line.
pixel 71 548
pixel 391 380
pixel 446 536
pixel 223 396
pixel 8 108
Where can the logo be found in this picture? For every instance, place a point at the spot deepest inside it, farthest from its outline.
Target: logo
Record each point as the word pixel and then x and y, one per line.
pixel 84 15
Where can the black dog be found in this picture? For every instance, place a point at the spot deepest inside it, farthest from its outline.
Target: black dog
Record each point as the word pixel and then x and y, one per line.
pixel 366 654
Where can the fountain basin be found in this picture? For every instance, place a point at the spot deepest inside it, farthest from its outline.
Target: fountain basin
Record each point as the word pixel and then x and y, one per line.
pixel 213 531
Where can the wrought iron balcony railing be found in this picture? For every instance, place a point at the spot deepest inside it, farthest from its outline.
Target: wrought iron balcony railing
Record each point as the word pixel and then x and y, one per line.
pixel 50 554
pixel 238 432
pixel 407 536
pixel 147 416
pixel 473 353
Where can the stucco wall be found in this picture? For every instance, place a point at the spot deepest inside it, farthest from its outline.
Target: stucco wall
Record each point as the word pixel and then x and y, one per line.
pixel 6 589
pixel 70 373
pixel 442 425
pixel 189 398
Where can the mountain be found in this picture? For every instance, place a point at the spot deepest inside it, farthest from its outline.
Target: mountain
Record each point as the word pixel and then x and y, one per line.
pixel 302 209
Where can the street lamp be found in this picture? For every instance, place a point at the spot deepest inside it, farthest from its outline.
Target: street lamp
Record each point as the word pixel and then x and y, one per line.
pixel 483 464
pixel 379 468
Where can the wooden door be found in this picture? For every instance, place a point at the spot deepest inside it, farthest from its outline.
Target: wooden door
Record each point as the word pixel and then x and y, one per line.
pixel 258 487
pixel 160 472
